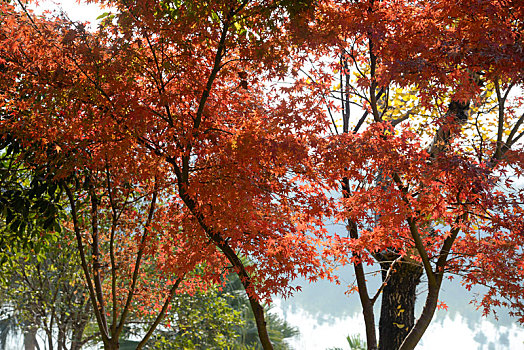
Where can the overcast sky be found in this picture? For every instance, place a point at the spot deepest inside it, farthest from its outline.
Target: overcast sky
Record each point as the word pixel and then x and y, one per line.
pixel 75 11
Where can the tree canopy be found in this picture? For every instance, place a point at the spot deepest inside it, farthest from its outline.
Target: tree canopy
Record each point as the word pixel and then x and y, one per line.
pixel 190 139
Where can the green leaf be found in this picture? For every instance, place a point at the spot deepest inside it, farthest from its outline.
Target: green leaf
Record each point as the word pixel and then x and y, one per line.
pixel 237 26
pixel 103 15
pixel 214 17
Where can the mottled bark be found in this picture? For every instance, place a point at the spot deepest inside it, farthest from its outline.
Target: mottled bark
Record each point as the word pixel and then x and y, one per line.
pixel 397 314
pixel 30 342
pixel 79 326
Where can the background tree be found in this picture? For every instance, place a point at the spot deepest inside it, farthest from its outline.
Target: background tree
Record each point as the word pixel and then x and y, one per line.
pixel 218 319
pixel 48 294
pixel 29 207
pixel 246 335
pixel 29 200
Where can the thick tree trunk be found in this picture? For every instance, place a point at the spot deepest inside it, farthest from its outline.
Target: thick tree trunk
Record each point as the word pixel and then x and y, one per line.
pixel 78 329
pixel 61 337
pixel 397 315
pixel 112 344
pixel 30 342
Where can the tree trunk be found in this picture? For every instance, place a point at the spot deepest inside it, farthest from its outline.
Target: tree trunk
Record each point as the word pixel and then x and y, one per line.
pixel 113 344
pixel 397 315
pixel 61 337
pixel 30 342
pixel 78 329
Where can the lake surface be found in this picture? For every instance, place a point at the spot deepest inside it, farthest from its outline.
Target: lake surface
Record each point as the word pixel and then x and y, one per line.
pixel 324 316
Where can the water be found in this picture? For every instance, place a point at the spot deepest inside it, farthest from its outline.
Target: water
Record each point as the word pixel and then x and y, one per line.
pixel 325 316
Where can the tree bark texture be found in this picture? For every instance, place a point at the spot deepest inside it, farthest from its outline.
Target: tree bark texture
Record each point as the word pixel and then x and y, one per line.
pixel 397 315
pixel 30 342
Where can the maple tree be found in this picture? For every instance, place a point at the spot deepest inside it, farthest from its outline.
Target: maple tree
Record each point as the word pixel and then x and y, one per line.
pixel 410 204
pixel 182 158
pixel 170 153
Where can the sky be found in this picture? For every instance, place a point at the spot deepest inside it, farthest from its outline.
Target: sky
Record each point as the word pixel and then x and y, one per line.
pixel 76 11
